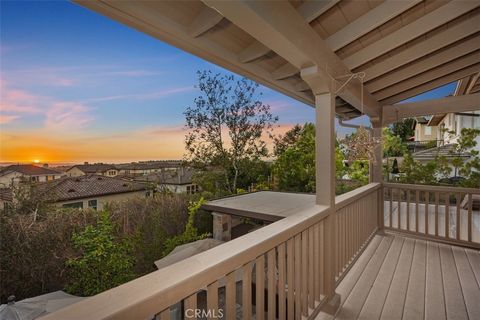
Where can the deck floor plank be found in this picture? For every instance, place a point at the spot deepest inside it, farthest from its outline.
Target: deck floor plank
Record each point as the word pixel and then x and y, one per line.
pixel 474 259
pixel 434 296
pixel 395 301
pixel 346 285
pixel 415 300
pixel 372 308
pixel 470 288
pixel 454 301
pixel 353 304
pixel 398 277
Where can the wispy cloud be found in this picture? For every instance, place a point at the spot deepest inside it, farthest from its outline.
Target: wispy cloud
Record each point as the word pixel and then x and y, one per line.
pixel 132 73
pixel 143 96
pixel 64 115
pixel 7 118
pixel 67 116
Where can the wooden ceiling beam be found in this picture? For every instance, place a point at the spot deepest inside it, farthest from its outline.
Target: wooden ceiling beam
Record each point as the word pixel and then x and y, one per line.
pixel 369 21
pixel 417 67
pixel 309 10
pixel 430 75
pixel 469 102
pixel 279 26
pixel 285 71
pixel 428 22
pixel 145 17
pixel 253 51
pixel 312 9
pixel 459 74
pixel 421 49
pixel 206 19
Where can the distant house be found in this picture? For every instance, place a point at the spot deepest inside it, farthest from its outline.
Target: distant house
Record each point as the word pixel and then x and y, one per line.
pixel 424 131
pixel 15 174
pixel 101 169
pixel 179 181
pixel 148 167
pixel 91 191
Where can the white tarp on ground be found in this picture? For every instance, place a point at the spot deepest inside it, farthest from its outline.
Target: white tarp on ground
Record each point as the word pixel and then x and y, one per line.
pixel 33 308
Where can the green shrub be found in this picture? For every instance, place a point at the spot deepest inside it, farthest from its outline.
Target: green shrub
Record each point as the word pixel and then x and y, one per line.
pixel 191 233
pixel 104 263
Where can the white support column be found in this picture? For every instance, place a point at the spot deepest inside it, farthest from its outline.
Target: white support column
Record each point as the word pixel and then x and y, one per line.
pixel 322 88
pixel 376 172
pixel 325 148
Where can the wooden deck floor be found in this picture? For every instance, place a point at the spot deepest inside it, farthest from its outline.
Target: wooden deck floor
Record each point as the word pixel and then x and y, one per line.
pixel 403 278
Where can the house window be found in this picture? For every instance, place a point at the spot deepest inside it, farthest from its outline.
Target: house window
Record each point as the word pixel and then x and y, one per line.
pixel 78 205
pixel 428 131
pixel 92 204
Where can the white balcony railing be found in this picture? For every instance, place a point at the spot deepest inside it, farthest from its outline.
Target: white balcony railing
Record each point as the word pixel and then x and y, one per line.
pixel 447 214
pixel 297 271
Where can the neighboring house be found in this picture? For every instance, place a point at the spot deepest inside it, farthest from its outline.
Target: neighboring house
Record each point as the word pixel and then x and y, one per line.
pixel 101 169
pixel 454 123
pixel 148 167
pixel 91 191
pixel 179 181
pixel 424 131
pixel 432 153
pixel 15 174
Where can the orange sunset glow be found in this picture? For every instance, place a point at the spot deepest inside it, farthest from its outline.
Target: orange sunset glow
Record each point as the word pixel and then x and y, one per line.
pixel 153 143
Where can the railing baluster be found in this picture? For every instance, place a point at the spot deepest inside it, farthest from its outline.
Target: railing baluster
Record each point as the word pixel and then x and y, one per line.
pixel 391 208
pixel 298 272
pixel 290 279
pixel 304 286
pixel 281 281
pixel 316 262
pixel 457 198
pixel 436 213
pixel 230 294
pixel 407 194
pixel 427 204
pixel 417 200
pixel 399 210
pixel 260 287
pixel 271 255
pixel 247 291
pixel 469 221
pixel 212 300
pixel 190 306
pixel 447 215
pixel 311 298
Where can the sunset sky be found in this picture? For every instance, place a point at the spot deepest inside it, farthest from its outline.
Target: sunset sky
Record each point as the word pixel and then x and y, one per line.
pixel 77 86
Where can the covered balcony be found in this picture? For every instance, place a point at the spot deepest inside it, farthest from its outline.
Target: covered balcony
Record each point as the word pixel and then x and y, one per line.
pixel 390 251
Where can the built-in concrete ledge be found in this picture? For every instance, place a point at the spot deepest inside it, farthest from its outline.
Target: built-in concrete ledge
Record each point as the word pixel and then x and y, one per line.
pixel 268 206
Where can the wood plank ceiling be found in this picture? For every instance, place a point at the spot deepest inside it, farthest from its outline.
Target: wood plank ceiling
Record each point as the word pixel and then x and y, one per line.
pixel 404 48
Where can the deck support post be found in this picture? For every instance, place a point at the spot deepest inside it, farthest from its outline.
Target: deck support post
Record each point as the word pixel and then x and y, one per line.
pixel 376 171
pixel 325 173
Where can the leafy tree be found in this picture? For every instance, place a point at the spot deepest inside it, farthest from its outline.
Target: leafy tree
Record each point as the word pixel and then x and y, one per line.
pixel 465 145
pixel 403 129
pixel 190 233
pixel 295 166
pixel 226 125
pixel 393 146
pixel 105 262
